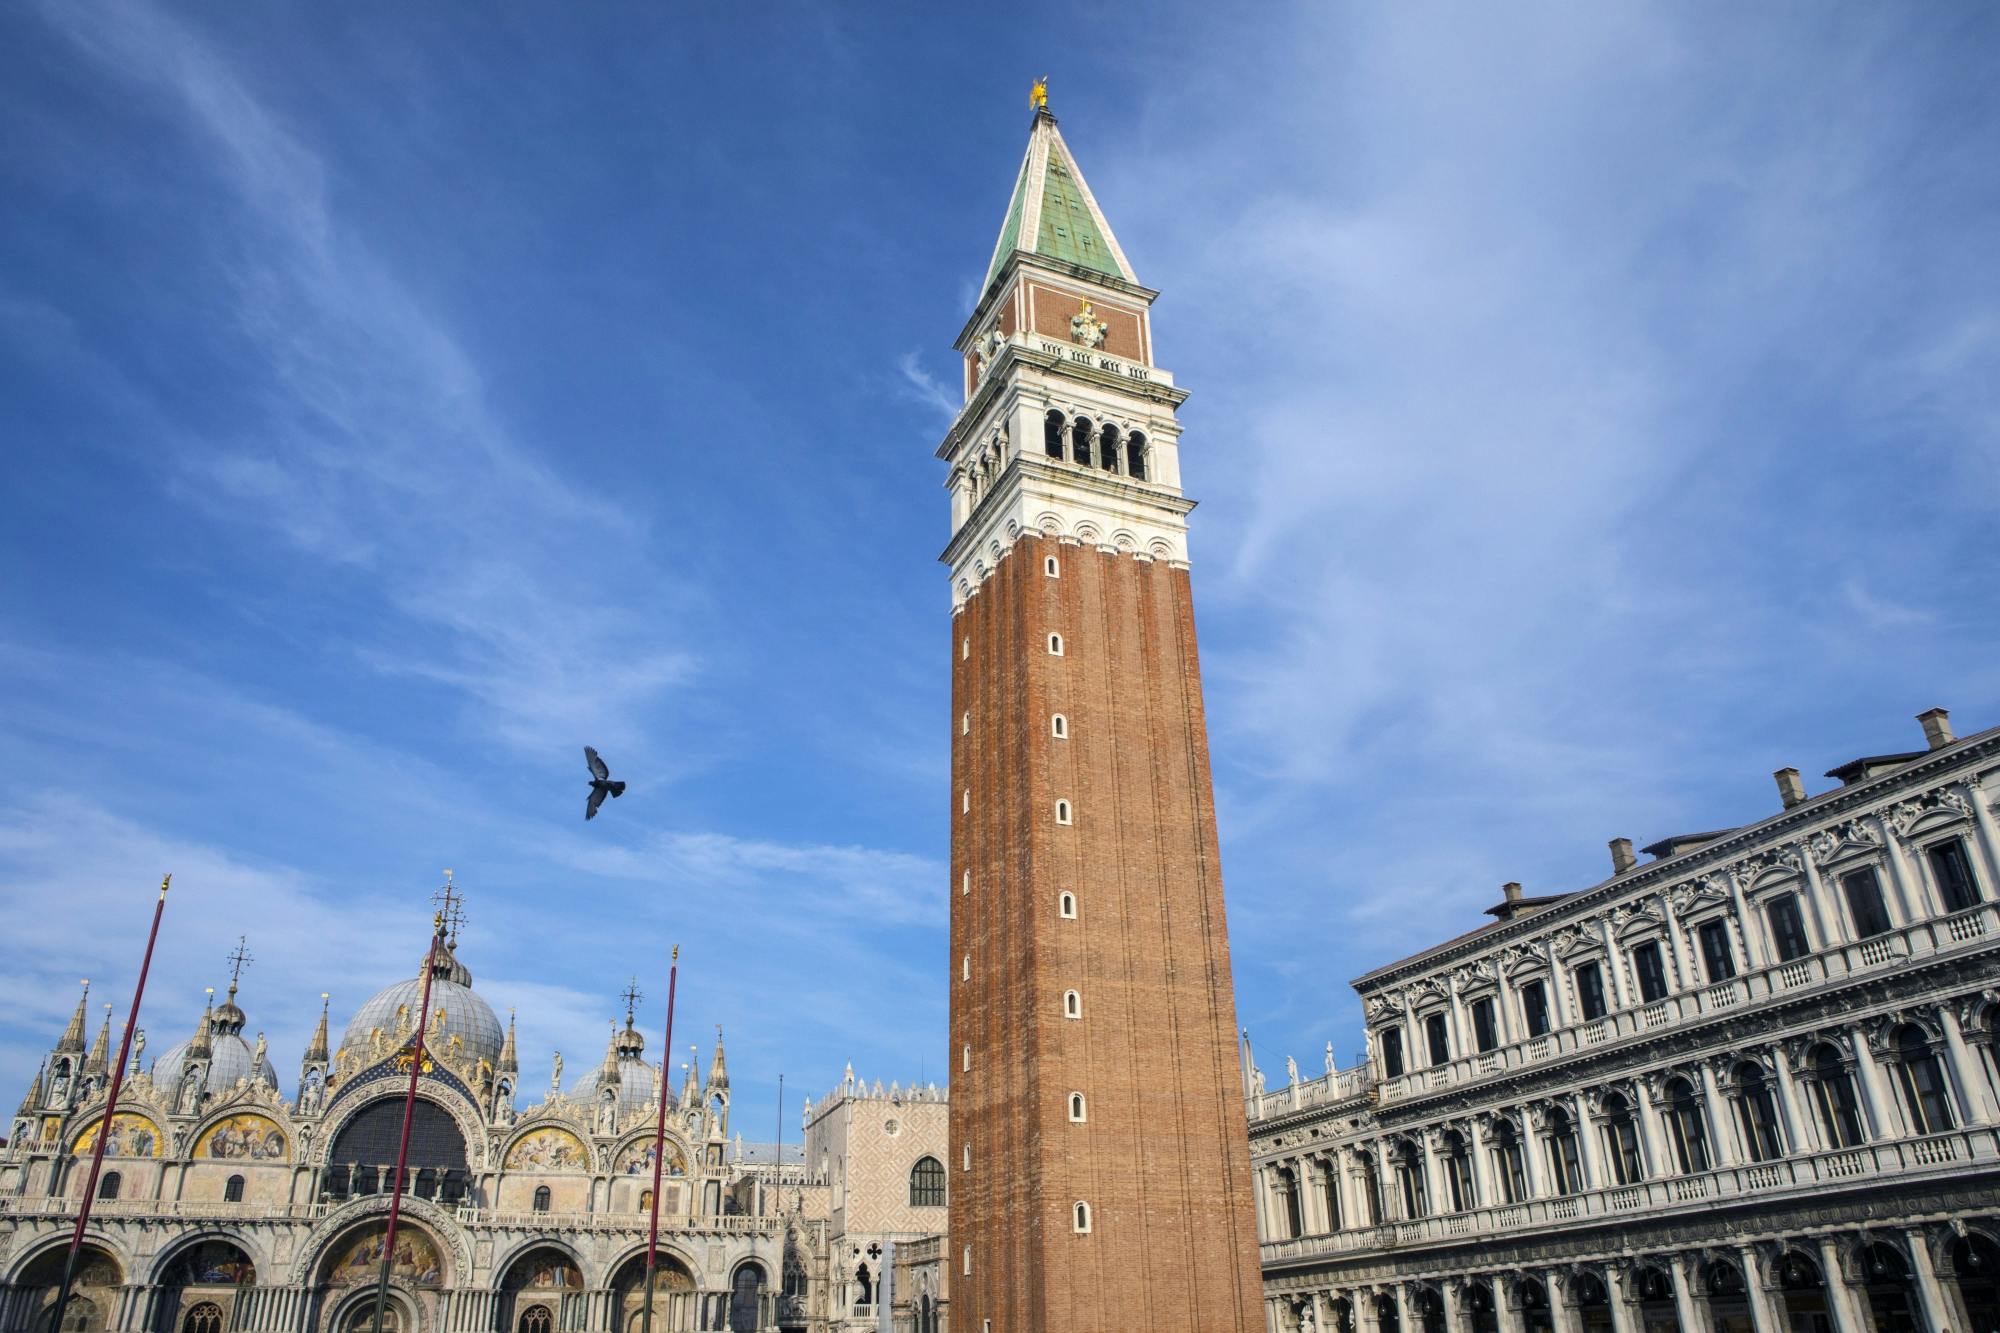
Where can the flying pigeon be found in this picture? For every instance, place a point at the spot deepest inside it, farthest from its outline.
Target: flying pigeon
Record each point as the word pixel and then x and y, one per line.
pixel 600 783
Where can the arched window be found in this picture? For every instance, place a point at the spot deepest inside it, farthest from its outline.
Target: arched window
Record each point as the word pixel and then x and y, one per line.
pixel 965 724
pixel 964 649
pixel 1072 1004
pixel 1079 441
pixel 107 1185
pixel 542 1198
pixel 1621 1141
pixel 1458 1172
pixel 1565 1170
pixel 746 1292
pixel 203 1318
pixel 1833 1098
pixel 1051 567
pixel 965 1157
pixel 1757 1114
pixel 1107 448
pixel 965 883
pixel 1285 1185
pixel 1052 434
pixel 1926 1096
pixel 1410 1181
pixel 1688 1128
pixel 1076 1109
pixel 965 968
pixel 1135 456
pixel 1066 905
pixel 1511 1162
pixel 965 1057
pixel 1055 645
pixel 535 1319
pixel 1081 1217
pixel 965 801
pixel 1063 812
pixel 1329 1194
pixel 1059 726
pixel 864 1288
pixel 232 1190
pixel 927 1183
pixel 1371 1189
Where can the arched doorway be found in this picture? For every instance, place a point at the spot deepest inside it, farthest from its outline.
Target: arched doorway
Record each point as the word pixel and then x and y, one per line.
pixel 746 1298
pixel 1803 1293
pixel 1535 1313
pixel 1388 1319
pixel 1728 1298
pixel 93 1299
pixel 207 1273
pixel 673 1294
pixel 1479 1304
pixel 1653 1289
pixel 1343 1315
pixel 1885 1276
pixel 1974 1265
pixel 1593 1303
pixel 1430 1310
pixel 362 1159
pixel 534 1287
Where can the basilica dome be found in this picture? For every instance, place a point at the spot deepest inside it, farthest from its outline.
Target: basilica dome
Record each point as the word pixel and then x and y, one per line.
pixel 466 1016
pixel 636 1079
pixel 219 1036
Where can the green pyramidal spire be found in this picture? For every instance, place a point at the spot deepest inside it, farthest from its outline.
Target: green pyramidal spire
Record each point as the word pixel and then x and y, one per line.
pixel 1052 212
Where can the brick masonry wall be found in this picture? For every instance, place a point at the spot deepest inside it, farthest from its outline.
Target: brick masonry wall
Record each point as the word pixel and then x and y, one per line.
pixel 1163 1158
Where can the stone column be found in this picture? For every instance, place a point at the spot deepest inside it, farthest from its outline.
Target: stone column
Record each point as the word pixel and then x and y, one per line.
pixel 1562 1304
pixel 1847 1317
pixel 1793 1113
pixel 1507 1305
pixel 1684 977
pixel 1906 888
pixel 1988 837
pixel 1481 1148
pixel 1364 1312
pixel 1721 1129
pixel 1457 1314
pixel 1937 1306
pixel 1681 1269
pixel 1967 1078
pixel 1885 1119
pixel 1594 1176
pixel 1764 1316
pixel 1655 1152
pixel 1624 1310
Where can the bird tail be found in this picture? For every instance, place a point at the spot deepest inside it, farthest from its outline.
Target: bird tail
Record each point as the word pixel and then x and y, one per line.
pixel 617 789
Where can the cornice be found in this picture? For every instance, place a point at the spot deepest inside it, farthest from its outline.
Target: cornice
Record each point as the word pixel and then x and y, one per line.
pixel 1732 847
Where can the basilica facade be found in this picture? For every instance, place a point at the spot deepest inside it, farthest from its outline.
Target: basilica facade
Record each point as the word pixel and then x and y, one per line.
pixel 226 1204
pixel 1751 1085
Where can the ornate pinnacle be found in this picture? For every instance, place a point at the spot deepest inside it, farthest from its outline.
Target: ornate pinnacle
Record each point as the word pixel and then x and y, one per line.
pixel 316 1049
pixel 72 1037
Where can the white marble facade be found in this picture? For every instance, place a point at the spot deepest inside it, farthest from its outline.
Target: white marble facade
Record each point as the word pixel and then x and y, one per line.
pixel 1749 1086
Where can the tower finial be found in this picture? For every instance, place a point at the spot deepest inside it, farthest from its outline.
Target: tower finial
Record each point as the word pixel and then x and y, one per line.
pixel 632 995
pixel 1038 94
pixel 236 959
pixel 450 908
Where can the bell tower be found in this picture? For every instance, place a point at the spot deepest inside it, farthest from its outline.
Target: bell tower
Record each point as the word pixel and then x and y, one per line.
pixel 1100 1173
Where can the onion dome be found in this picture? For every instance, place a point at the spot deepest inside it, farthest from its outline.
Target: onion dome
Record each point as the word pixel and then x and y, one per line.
pixel 393 1011
pixel 218 1039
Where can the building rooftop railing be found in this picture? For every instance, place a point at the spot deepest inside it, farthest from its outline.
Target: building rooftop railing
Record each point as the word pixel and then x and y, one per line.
pixel 1866 1166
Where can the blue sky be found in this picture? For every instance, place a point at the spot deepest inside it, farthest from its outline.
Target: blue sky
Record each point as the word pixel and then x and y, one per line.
pixel 1595 408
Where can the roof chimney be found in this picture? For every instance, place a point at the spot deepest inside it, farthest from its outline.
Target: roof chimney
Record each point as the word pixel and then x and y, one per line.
pixel 1622 857
pixel 1790 790
pixel 1511 890
pixel 1937 728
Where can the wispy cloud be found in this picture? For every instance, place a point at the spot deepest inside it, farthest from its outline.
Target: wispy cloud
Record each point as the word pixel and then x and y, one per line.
pixel 920 386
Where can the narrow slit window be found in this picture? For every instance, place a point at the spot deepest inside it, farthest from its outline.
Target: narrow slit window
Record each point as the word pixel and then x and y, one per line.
pixel 1082 1214
pixel 1076 1108
pixel 1052 568
pixel 964 649
pixel 965 968
pixel 1067 906
pixel 965 724
pixel 965 1157
pixel 1055 645
pixel 965 883
pixel 1059 726
pixel 965 801
pixel 1063 813
pixel 1072 1004
pixel 965 1059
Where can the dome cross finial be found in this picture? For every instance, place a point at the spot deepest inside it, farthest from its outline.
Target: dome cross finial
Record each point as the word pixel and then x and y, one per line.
pixel 237 959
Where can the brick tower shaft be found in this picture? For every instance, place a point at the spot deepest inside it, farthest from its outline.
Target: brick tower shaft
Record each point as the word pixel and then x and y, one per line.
pixel 1100 1172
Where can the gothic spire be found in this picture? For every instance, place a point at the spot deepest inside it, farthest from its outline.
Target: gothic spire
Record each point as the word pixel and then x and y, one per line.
pixel 31 1102
pixel 718 1074
pixel 98 1062
pixel 316 1048
pixel 72 1037
pixel 201 1048
pixel 510 1063
pixel 1052 212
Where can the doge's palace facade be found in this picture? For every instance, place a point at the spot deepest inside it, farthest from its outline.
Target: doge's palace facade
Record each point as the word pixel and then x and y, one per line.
pixel 1747 1086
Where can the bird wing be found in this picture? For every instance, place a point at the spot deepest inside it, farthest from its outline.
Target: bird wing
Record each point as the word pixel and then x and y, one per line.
pixel 596 799
pixel 597 768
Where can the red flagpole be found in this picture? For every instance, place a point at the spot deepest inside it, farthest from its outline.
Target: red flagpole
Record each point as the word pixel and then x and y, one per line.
pixel 409 1106
pixel 659 1147
pixel 110 1105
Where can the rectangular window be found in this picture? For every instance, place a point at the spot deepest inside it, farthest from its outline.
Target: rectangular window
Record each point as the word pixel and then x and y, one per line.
pixel 1954 876
pixel 1863 891
pixel 1651 972
pixel 1589 991
pixel 1392 1053
pixel 1436 1040
pixel 1535 1008
pixel 1485 1032
pixel 1716 958
pixel 1788 928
